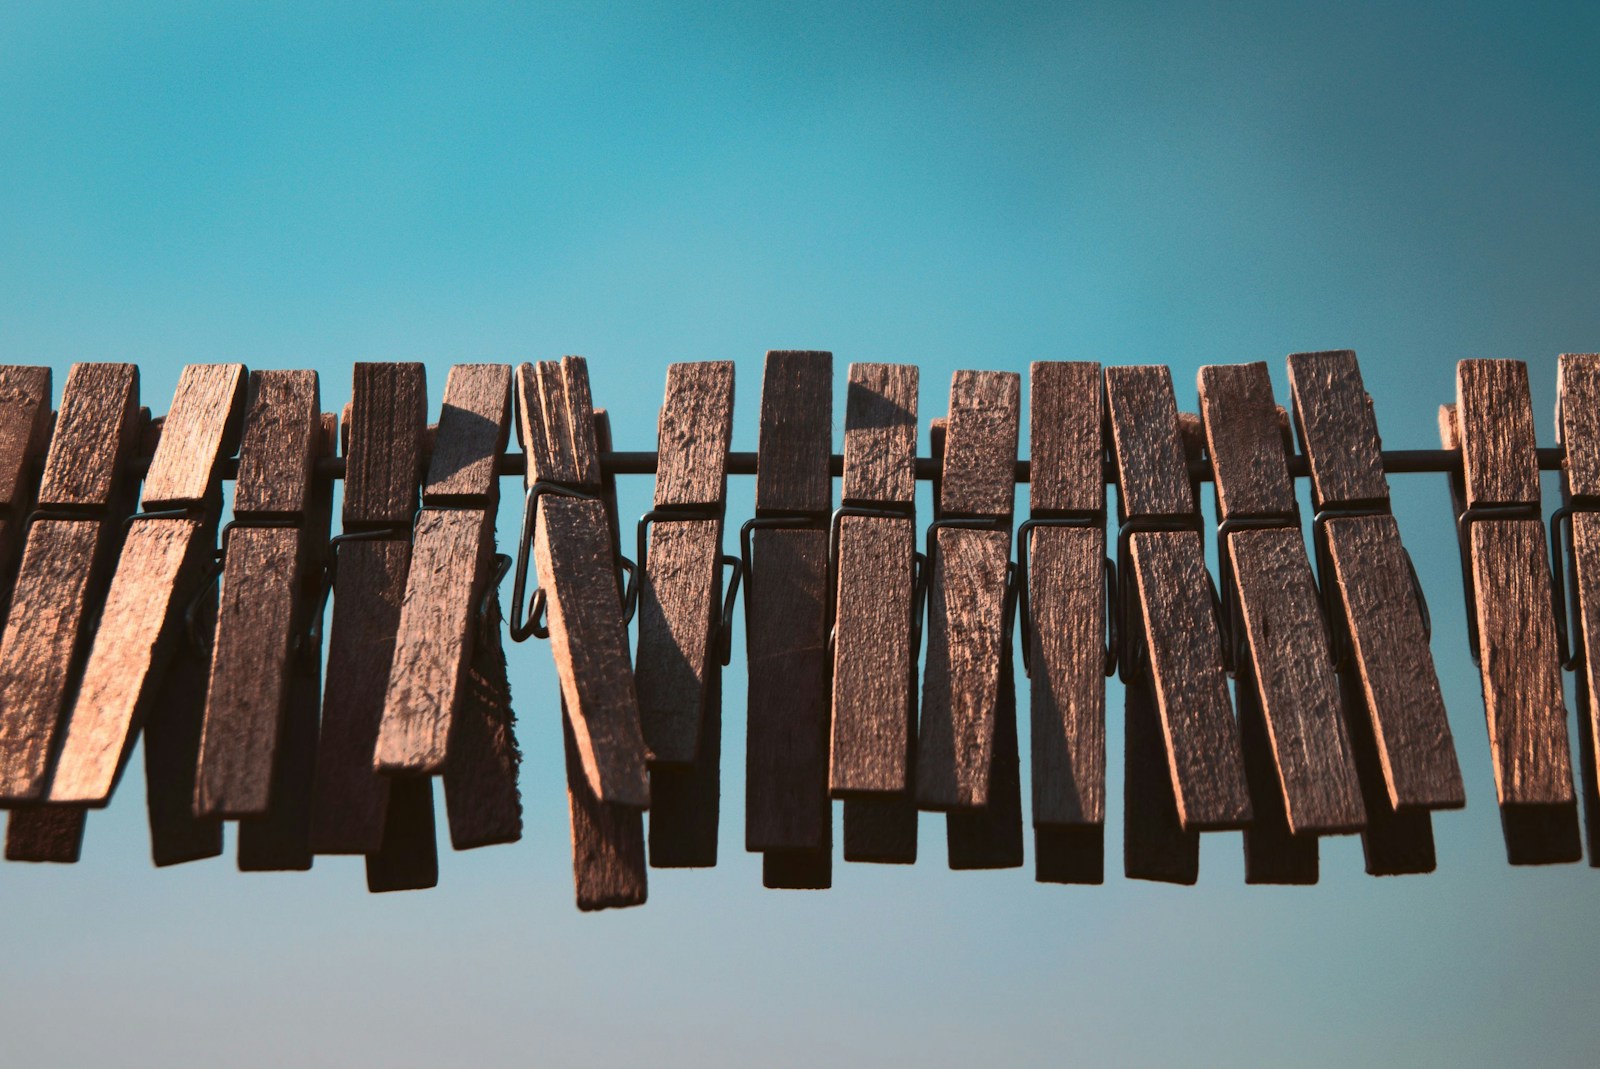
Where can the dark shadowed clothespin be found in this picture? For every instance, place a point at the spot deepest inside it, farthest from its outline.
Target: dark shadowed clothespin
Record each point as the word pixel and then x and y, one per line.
pixel 876 617
pixel 1578 429
pixel 1298 760
pixel 683 627
pixel 967 744
pixel 356 809
pixel 785 547
pixel 1184 769
pixel 253 760
pixel 451 570
pixel 1511 620
pixel 162 565
pixel 1063 574
pixel 1394 713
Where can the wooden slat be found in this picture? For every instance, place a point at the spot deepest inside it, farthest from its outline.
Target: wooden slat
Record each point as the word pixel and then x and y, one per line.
pixel 160 566
pixel 1066 600
pixel 787 810
pixel 1523 696
pixel 1287 669
pixel 65 568
pixel 172 751
pixel 350 798
pixel 588 639
pixel 966 594
pixel 1178 627
pixel 1394 713
pixel 480 779
pixel 1578 429
pixel 880 435
pixel 474 425
pixel 262 597
pixel 678 610
pixel 408 857
pixel 25 422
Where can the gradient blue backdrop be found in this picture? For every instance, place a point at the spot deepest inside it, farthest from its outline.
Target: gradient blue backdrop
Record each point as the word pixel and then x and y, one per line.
pixel 947 184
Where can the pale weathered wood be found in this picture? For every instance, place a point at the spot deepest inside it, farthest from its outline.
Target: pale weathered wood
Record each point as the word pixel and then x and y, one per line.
pixel 381 469
pixel 200 430
pixel 678 608
pixel 474 424
pixel 795 433
pixel 96 429
pixel 1288 670
pixel 873 671
pixel 1523 700
pixel 693 431
pixel 1578 429
pixel 966 594
pixel 282 436
pixel 1152 475
pixel 1338 430
pixel 1066 603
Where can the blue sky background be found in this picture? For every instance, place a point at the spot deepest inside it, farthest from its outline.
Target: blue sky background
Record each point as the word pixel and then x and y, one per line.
pixel 947 184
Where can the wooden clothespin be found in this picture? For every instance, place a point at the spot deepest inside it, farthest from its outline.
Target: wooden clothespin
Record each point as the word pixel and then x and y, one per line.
pixel 785 559
pixel 1063 609
pixel 877 617
pixel 1511 617
pixel 162 564
pixel 1578 429
pixel 450 576
pixel 259 741
pixel 1185 772
pixel 1394 713
pixel 356 809
pixel 683 624
pixel 967 748
pixel 1298 760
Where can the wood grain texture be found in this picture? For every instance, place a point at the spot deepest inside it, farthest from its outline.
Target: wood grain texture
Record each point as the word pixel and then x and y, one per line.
pixel 350 796
pixel 433 643
pixel 160 564
pixel 201 428
pixel 1337 427
pixel 873 671
pixel 554 423
pixel 1249 467
pixel 1065 436
pixel 990 837
pixel 693 432
pixel 1578 429
pixel 383 460
pixel 480 778
pixel 474 425
pixel 786 758
pixel 1578 425
pixel 1395 842
pixel 880 435
pixel 1201 737
pixel 25 424
pixel 408 859
pixel 172 749
pixel 686 800
pixel 1495 419
pixel 1066 594
pixel 1152 475
pixel 678 615
pixel 280 441
pixel 980 452
pixel 96 429
pixel 796 425
pixel 1273 853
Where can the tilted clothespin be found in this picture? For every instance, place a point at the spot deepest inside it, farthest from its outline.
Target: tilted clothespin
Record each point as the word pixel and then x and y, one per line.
pixel 355 808
pixel 1297 754
pixel 1400 737
pixel 1065 597
pixel 1511 615
pixel 1184 769
pixel 1578 429
pixel 162 563
pixel 876 617
pixel 967 748
pixel 684 626
pixel 259 739
pixel 450 575
pixel 785 561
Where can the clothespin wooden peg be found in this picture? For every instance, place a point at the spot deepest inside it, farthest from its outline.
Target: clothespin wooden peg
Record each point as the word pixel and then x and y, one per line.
pixel 1578 428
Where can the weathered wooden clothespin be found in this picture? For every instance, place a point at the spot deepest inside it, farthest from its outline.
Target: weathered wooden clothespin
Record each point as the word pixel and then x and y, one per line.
pixel 1394 713
pixel 1511 617
pixel 967 744
pixel 162 565
pixel 259 742
pixel 876 617
pixel 785 560
pixel 1578 429
pixel 1184 769
pixel 683 625
pixel 355 808
pixel 450 575
pixel 1298 760
pixel 1063 575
